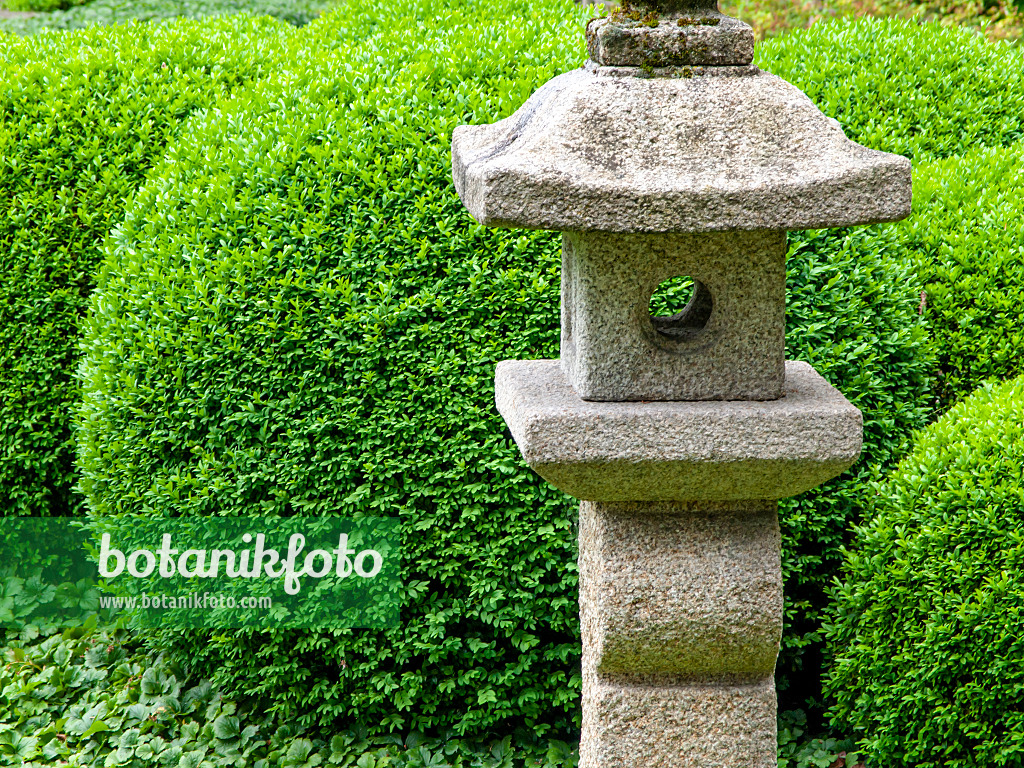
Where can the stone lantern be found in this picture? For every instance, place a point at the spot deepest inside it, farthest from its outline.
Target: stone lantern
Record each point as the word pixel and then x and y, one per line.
pixel 670 154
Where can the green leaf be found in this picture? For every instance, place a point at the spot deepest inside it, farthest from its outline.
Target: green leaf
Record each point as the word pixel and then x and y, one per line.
pixel 96 727
pixel 226 727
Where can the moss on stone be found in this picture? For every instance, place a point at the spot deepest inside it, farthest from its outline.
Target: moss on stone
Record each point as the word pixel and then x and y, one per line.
pixel 697 21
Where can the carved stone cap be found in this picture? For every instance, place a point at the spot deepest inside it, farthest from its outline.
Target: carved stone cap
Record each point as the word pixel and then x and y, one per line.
pixel 708 39
pixel 712 149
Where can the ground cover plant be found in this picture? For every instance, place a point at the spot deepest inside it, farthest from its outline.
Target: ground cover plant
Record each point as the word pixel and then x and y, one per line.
pixel 927 630
pixel 88 697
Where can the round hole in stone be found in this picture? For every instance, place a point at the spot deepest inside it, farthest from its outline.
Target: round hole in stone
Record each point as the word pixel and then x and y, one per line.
pixel 680 308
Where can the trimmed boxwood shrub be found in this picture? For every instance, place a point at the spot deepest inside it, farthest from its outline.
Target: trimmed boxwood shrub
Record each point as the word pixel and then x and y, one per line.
pixel 297 316
pixel 851 311
pixel 82 118
pixel 362 315
pixel 963 247
pixel 928 630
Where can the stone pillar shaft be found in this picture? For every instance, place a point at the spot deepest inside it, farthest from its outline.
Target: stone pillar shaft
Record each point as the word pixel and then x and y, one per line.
pixel 712 725
pixel 680 600
pixel 681 616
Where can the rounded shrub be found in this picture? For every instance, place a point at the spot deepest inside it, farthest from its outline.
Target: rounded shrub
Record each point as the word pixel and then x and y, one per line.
pixel 964 242
pixel 297 316
pixel 852 312
pixel 325 321
pixel 961 254
pixel 928 628
pixel 83 116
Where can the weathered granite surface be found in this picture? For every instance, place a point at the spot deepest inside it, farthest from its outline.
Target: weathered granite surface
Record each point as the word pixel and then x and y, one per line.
pixel 704 39
pixel 695 725
pixel 727 344
pixel 668 451
pixel 708 153
pixel 680 591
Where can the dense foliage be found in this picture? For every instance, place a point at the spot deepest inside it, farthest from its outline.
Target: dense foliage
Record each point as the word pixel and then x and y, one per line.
pixel 926 92
pixel 297 316
pixel 966 243
pixel 928 632
pixel 962 252
pixel 326 321
pixel 851 311
pixel 918 90
pixel 82 118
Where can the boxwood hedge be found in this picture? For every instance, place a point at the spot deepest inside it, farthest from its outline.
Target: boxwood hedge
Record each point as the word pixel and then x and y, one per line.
pixel 363 314
pixel 919 90
pixel 82 118
pixel 963 246
pixel 297 316
pixel 851 311
pixel 967 246
pixel 928 631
